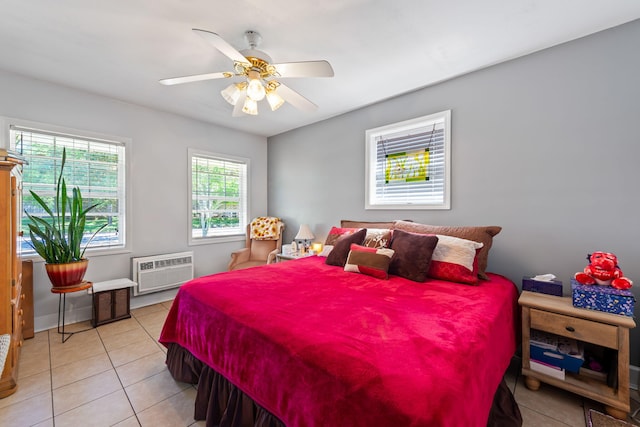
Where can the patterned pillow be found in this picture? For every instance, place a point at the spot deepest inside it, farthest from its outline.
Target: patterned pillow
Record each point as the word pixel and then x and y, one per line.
pixel 482 234
pixel 455 260
pixel 342 246
pixel 336 232
pixel 412 255
pixel 370 261
pixel 377 238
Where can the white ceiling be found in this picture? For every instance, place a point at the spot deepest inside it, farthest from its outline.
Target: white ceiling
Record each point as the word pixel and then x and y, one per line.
pixel 378 48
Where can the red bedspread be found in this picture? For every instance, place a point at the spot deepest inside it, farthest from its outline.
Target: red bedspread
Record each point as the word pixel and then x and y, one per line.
pixel 317 346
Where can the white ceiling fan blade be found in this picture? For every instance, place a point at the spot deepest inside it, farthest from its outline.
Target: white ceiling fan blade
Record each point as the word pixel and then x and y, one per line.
pixel 195 78
pixel 295 99
pixel 221 44
pixel 237 109
pixel 304 69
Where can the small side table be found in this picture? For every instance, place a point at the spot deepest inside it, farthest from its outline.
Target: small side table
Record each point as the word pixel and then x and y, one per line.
pixel 62 301
pixel 111 301
pixel 296 255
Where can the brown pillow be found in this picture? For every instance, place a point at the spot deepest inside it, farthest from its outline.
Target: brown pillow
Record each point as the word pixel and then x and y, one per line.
pixel 482 234
pixel 412 255
pixel 342 246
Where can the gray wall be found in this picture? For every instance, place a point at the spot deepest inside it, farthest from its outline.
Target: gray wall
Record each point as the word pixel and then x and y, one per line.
pixel 546 146
pixel 159 176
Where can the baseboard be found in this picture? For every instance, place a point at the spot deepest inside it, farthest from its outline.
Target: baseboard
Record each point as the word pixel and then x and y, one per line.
pixel 80 314
pixel 634 376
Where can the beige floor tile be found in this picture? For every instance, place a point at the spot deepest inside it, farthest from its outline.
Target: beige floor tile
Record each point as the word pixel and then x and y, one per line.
pixel 78 347
pixel 104 411
pixel 84 391
pixel 125 339
pixel 167 304
pixel 152 390
pixel 129 422
pixel 45 423
pixel 123 355
pixel 153 320
pixel 174 411
pixel 118 327
pixel 29 387
pixel 144 311
pixel 558 404
pixel 140 369
pixel 27 412
pixel 80 369
pixel 531 418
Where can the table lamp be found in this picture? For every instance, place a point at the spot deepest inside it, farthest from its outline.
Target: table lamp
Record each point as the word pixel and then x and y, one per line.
pixel 305 236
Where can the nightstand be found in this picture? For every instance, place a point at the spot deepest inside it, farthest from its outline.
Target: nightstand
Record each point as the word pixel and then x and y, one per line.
pixel 557 315
pixel 296 255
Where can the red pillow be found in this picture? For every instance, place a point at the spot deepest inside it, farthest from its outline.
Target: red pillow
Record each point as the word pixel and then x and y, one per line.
pixel 370 261
pixel 455 260
pixel 336 232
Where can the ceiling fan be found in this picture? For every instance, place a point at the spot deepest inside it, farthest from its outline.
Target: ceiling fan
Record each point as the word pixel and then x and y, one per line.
pixel 261 78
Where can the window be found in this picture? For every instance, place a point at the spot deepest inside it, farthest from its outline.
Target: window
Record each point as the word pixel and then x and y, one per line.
pixel 408 164
pixel 94 165
pixel 218 197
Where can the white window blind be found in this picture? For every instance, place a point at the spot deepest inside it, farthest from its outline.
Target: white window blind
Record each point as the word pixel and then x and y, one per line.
pixel 218 196
pixel 96 167
pixel 408 164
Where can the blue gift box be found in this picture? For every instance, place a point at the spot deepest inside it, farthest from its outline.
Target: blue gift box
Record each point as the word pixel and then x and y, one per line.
pixel 602 298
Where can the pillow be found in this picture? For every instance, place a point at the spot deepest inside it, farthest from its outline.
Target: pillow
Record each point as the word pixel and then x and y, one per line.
pixel 366 224
pixel 326 250
pixel 370 261
pixel 377 238
pixel 341 247
pixel 455 260
pixel 412 255
pixel 482 235
pixel 336 232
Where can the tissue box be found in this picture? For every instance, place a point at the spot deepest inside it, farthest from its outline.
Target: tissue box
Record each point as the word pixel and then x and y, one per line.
pixel 553 287
pixel 602 298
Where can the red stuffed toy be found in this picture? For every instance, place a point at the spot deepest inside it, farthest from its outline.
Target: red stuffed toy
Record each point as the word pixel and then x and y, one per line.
pixel 603 269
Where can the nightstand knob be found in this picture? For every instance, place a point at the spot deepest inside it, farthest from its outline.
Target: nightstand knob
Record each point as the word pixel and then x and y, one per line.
pixel 570 328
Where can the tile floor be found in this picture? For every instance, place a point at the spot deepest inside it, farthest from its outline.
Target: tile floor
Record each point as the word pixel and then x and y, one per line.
pixel 115 375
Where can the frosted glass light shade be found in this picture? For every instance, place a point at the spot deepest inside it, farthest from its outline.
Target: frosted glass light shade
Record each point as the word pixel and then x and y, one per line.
pixel 231 93
pixel 255 90
pixel 250 107
pixel 275 101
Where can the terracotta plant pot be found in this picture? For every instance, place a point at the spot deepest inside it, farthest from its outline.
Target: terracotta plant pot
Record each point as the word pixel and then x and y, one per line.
pixel 67 275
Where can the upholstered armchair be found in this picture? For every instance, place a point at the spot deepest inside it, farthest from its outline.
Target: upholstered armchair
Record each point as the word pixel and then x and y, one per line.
pixel 256 252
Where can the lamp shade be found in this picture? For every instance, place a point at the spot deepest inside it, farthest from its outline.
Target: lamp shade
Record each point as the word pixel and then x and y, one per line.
pixel 304 233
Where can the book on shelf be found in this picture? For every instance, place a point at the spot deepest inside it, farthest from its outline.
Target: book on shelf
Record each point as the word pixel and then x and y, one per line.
pixel 547 369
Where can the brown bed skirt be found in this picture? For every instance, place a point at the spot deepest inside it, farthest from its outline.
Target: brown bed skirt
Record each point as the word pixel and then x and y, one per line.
pixel 222 404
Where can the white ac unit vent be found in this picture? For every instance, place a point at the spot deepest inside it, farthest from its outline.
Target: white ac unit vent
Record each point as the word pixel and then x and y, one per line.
pixel 159 272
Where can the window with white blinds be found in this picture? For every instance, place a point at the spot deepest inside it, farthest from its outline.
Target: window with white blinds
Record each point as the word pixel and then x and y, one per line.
pixel 408 164
pixel 218 197
pixel 95 166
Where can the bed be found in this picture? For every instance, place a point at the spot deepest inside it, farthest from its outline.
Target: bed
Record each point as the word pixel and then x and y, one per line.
pixel 303 344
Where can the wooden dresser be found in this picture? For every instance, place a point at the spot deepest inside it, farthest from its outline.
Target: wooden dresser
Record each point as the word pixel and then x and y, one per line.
pixel 11 291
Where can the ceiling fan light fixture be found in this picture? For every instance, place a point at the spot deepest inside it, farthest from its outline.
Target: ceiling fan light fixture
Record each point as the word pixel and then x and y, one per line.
pixel 232 93
pixel 255 89
pixel 250 107
pixel 275 101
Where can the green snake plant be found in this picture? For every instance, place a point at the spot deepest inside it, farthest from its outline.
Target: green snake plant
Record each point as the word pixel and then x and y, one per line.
pixel 58 239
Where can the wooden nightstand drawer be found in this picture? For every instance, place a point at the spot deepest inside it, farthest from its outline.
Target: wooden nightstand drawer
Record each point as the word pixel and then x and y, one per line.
pixel 572 327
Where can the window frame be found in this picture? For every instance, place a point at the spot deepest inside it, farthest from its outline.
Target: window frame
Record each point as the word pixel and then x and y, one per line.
pixel 231 236
pixel 8 123
pixel 371 139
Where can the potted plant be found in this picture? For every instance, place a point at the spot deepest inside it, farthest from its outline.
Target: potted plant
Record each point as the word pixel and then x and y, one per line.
pixel 57 237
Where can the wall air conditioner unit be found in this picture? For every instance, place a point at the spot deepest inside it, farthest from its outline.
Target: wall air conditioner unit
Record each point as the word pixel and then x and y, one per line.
pixel 160 272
